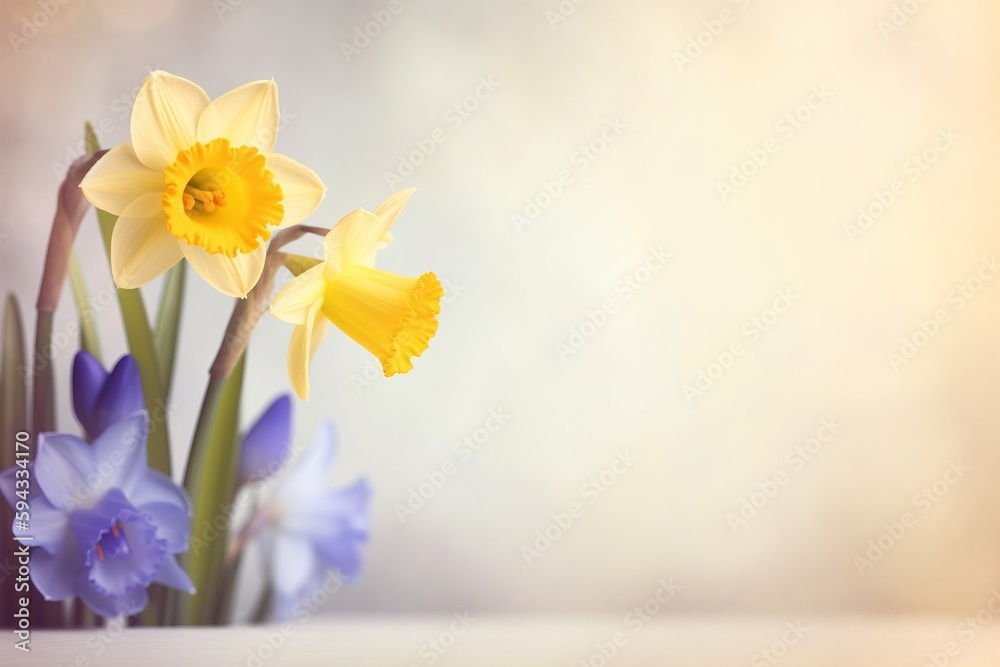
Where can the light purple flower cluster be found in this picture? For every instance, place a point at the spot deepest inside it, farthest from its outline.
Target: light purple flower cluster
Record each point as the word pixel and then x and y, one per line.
pixel 309 528
pixel 104 526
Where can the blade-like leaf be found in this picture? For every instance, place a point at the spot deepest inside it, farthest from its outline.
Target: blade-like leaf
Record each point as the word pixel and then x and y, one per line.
pixel 168 322
pixel 13 419
pixel 298 264
pixel 13 379
pixel 211 480
pixel 142 347
pixel 81 297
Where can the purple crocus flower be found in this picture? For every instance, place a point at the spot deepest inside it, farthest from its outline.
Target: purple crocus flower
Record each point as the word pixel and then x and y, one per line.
pixel 100 398
pixel 266 445
pixel 104 525
pixel 312 529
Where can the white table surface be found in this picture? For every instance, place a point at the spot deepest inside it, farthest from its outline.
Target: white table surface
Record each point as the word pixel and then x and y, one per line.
pixel 691 641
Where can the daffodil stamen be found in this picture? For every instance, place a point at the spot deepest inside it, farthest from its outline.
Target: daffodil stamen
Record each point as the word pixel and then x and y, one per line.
pixel 209 200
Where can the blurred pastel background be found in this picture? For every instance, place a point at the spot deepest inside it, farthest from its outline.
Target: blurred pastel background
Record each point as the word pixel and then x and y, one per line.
pixel 534 87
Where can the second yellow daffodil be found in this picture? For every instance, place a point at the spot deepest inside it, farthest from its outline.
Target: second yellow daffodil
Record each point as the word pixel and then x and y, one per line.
pixel 391 316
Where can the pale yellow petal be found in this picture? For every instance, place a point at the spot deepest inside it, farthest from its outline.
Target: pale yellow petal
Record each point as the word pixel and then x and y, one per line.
pixel 294 301
pixel 301 189
pixel 390 210
pixel 165 118
pixel 306 339
pixel 247 116
pixel 118 179
pixel 349 242
pixel 141 246
pixel 359 235
pixel 233 276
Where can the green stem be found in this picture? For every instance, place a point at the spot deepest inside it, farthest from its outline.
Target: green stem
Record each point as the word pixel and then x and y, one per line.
pixel 168 322
pixel 227 590
pixel 263 605
pixel 42 396
pixel 89 340
pixel 152 615
pixel 230 570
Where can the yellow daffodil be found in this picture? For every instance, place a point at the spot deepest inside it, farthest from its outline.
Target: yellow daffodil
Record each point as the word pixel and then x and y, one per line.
pixel 392 317
pixel 199 181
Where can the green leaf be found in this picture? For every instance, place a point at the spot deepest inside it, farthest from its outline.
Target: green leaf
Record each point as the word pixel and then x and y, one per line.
pixel 88 319
pixel 299 264
pixel 13 420
pixel 210 480
pixel 13 380
pixel 168 322
pixel 141 346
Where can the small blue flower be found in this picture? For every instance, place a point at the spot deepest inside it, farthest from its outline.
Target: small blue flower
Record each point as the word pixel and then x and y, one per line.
pixel 104 525
pixel 312 528
pixel 100 398
pixel 266 446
